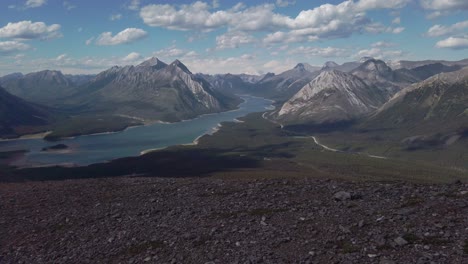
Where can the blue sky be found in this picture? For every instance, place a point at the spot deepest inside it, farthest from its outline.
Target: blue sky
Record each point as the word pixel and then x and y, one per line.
pixel 226 36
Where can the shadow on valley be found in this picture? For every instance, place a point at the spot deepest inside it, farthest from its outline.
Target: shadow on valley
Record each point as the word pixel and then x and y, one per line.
pixel 321 127
pixel 166 163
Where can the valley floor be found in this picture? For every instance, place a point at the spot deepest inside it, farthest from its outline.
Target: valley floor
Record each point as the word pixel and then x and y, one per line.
pixel 250 193
pixel 241 219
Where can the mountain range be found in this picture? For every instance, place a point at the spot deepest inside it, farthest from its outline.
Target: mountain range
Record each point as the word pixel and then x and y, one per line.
pixel 152 90
pixel 305 94
pixel 18 116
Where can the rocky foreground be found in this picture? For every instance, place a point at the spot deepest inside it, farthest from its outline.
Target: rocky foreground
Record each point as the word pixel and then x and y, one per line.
pixel 212 220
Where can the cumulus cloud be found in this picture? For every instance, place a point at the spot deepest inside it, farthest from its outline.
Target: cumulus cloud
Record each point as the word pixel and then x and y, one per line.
pixel 125 36
pixel 326 52
pixel 132 57
pixel 455 43
pixel 30 30
pixel 68 5
pixel 440 30
pixel 381 4
pixel 170 52
pixel 325 21
pixel 115 17
pixel 187 17
pixel 34 3
pixel 134 5
pixel 233 40
pixel 89 41
pixel 382 44
pixel 7 47
pixel 379 53
pixel 284 3
pixel 398 30
pixel 442 5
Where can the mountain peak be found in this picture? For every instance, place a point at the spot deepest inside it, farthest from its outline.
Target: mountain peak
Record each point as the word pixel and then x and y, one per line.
pixel 180 65
pixel 153 62
pixel 364 59
pixel 300 66
pixel 330 64
pixel 375 65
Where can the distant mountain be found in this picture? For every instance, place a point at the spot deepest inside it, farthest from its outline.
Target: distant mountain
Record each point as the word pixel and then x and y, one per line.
pixel 18 116
pixel 152 90
pixel 284 85
pixel 249 78
pixel 434 111
pixel 378 74
pixel 307 67
pixel 79 79
pixel 426 71
pixel 230 83
pixel 44 87
pixel 154 63
pixel 332 96
pixel 414 64
pixel 345 67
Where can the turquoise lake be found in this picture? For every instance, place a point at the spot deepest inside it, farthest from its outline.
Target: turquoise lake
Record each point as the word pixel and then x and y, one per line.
pixel 85 150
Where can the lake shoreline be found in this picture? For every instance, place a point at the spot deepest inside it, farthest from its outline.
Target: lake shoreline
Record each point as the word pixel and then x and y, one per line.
pixel 115 144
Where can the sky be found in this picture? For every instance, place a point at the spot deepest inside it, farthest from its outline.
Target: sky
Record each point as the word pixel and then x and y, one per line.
pixel 225 36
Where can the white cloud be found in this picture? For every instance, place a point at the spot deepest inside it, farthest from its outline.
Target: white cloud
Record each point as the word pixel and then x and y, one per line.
pixel 398 30
pixel 134 5
pixel 132 57
pixel 396 20
pixel 233 40
pixel 7 47
pixel 285 3
pixel 34 3
pixel 115 17
pixel 327 52
pixel 325 21
pixel 453 43
pixel 440 30
pixel 215 3
pixel 68 5
pixel 383 44
pixel 381 4
pixel 89 41
pixel 170 52
pixel 125 36
pixel 61 57
pixel 187 17
pixel 442 5
pixel 30 30
pixel 380 54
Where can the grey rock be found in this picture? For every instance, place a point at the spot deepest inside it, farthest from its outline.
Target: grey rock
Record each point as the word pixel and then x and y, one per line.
pixel 400 241
pixel 342 196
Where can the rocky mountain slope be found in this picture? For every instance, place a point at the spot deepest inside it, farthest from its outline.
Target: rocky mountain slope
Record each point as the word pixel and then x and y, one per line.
pixel 332 96
pixel 45 87
pixel 152 90
pixel 211 220
pixel 18 116
pixel 286 84
pixel 432 113
pixel 414 64
pixel 378 74
pixel 345 67
pixel 230 83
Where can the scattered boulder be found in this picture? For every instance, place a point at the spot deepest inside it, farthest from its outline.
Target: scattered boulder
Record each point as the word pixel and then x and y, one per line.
pixel 342 196
pixel 400 241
